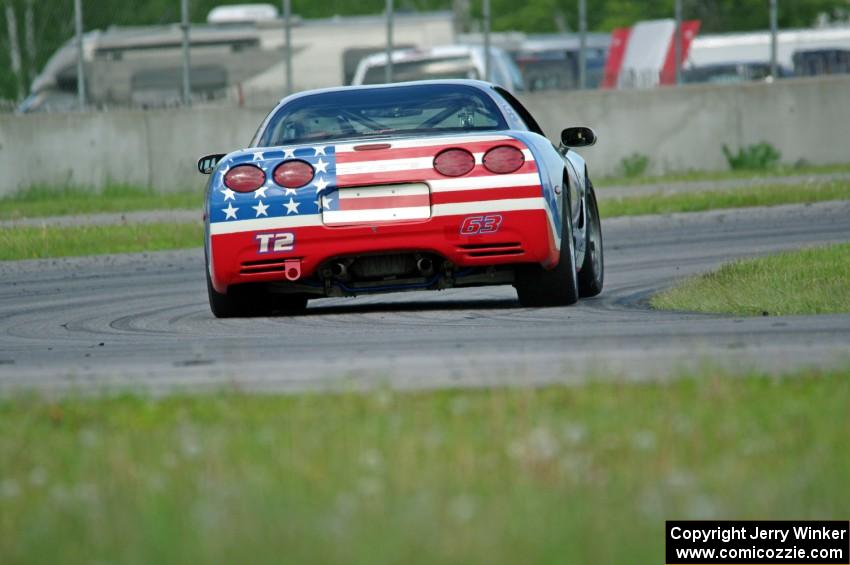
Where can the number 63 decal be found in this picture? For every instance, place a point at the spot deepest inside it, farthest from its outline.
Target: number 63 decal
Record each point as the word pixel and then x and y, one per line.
pixel 475 225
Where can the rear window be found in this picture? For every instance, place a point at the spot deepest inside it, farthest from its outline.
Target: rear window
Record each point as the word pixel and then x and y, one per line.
pixel 377 112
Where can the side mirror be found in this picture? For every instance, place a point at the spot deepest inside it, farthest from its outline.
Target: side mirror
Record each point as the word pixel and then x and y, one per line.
pixel 207 163
pixel 578 137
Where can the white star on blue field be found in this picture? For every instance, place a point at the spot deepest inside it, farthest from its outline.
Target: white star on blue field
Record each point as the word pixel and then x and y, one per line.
pixel 272 200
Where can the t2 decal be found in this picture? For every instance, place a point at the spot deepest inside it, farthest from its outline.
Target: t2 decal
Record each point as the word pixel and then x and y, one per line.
pixel 276 242
pixel 480 225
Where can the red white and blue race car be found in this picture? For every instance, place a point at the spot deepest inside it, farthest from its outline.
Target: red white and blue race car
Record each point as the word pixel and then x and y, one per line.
pixel 407 186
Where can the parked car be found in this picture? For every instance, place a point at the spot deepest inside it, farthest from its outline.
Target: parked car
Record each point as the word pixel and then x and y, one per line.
pixel 731 73
pixel 447 62
pixel 821 62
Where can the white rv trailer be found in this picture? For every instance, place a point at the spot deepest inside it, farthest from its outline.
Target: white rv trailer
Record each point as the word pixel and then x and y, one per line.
pixel 754 47
pixel 240 56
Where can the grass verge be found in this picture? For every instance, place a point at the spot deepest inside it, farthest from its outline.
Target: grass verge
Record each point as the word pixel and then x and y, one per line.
pixel 744 197
pixel 40 201
pixel 811 281
pixel 43 201
pixel 699 176
pixel 42 242
pixel 559 475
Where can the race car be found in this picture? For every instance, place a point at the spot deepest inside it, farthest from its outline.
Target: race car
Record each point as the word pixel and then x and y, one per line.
pixel 423 185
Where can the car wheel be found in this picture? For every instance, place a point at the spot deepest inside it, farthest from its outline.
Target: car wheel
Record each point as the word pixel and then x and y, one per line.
pixel 536 286
pixel 245 301
pixel 236 303
pixel 591 277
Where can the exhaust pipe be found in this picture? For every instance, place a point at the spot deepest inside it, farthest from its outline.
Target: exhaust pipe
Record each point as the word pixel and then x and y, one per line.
pixel 425 266
pixel 292 269
pixel 339 270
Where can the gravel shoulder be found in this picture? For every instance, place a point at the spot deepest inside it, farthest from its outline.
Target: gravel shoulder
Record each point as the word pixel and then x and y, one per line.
pixel 106 219
pixel 626 191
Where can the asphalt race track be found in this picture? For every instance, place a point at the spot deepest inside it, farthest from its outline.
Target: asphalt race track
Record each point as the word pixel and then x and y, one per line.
pixel 142 322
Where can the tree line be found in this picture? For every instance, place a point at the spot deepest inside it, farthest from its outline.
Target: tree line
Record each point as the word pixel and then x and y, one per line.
pixel 30 30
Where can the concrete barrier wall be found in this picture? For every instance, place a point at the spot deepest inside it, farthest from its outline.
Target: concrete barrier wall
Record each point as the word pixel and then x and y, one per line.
pixel 685 129
pixel 156 148
pixel 679 129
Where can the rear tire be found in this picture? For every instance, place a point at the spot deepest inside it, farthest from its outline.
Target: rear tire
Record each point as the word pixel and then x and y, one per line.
pixel 537 287
pixel 591 277
pixel 246 301
pixel 236 303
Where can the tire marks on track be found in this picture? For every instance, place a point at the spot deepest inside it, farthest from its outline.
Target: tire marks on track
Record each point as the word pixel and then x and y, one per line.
pixel 149 311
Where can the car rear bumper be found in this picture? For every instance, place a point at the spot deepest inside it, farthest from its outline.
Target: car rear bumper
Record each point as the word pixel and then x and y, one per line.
pixel 480 234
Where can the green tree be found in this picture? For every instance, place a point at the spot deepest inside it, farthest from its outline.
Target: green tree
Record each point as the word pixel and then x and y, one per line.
pixel 743 15
pixel 716 15
pixel 53 20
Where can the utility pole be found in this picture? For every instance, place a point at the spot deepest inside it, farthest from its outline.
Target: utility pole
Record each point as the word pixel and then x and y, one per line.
pixel 461 16
pixel 287 43
pixel 486 14
pixel 187 64
pixel 678 43
pixel 29 38
pixel 582 50
pixel 388 77
pixel 774 39
pixel 81 68
pixel 15 49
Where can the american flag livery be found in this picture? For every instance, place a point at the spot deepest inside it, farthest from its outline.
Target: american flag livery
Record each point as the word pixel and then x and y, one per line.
pixel 427 185
pixel 375 182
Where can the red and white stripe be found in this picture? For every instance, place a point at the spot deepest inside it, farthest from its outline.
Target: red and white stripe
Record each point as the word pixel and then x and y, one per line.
pixel 362 176
pixel 399 183
pixel 393 203
pixel 644 55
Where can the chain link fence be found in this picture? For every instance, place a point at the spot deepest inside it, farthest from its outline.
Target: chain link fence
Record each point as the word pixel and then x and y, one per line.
pixel 133 53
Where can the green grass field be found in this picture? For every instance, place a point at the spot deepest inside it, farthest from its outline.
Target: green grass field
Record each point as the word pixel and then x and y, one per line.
pixel 31 242
pixel 811 281
pixel 744 197
pixel 41 242
pixel 699 176
pixel 40 201
pixel 584 474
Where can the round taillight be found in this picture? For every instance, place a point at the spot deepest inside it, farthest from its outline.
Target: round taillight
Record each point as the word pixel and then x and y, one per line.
pixel 503 159
pixel 244 178
pixel 454 162
pixel 293 174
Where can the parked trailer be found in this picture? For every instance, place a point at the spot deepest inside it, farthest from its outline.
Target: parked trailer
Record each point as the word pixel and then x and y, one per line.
pixel 232 57
pixel 754 47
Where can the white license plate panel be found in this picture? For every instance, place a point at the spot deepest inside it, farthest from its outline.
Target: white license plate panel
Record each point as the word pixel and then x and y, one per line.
pixel 377 204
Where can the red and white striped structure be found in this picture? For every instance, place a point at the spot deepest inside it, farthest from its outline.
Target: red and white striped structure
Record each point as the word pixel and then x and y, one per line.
pixel 644 56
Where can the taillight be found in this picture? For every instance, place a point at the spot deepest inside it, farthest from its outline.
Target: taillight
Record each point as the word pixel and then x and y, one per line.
pixel 244 178
pixel 503 159
pixel 454 162
pixel 293 174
